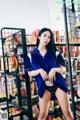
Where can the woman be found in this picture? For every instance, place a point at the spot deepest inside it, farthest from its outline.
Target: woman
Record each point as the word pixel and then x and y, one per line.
pixel 47 68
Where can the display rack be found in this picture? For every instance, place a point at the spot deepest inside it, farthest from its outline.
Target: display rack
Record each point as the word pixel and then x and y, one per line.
pixel 17 102
pixel 71 16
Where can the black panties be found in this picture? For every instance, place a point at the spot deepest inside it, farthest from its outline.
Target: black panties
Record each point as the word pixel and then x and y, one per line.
pixel 51 89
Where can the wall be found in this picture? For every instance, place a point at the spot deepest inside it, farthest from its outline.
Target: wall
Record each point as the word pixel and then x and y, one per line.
pixel 56 15
pixel 31 14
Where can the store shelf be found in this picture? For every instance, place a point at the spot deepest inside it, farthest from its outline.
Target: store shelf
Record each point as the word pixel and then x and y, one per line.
pixel 73 72
pixel 61 44
pixel 3 105
pixel 33 45
pixel 77 100
pixel 64 44
pixel 1 71
pixel 75 86
pixel 72 58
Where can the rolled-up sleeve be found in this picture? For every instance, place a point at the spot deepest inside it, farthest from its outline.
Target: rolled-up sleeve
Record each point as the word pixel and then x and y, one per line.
pixel 28 65
pixel 60 60
pixel 31 64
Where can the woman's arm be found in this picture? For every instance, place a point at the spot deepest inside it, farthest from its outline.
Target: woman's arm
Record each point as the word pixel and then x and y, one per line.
pixel 34 69
pixel 61 69
pixel 58 66
pixel 52 73
pixel 34 73
pixel 40 71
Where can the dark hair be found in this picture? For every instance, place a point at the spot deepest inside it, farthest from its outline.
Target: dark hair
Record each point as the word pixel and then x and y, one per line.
pixel 51 46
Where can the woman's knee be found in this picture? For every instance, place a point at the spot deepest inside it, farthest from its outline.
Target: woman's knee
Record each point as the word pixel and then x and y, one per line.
pixel 67 112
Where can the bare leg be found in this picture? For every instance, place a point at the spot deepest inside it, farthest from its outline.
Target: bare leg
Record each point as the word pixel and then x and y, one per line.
pixel 44 105
pixel 63 100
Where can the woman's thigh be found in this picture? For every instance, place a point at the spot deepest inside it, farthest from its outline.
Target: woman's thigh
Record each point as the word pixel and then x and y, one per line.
pixel 63 100
pixel 44 102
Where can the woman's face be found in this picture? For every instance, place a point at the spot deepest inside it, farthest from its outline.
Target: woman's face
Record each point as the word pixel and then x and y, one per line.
pixel 45 38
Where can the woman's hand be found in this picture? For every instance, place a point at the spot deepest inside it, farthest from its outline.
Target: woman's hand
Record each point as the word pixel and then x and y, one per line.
pixel 43 74
pixel 52 74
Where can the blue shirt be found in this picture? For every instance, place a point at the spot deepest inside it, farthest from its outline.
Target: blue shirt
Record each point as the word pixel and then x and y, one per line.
pixel 47 63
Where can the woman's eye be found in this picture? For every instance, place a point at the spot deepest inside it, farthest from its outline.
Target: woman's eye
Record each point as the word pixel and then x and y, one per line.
pixel 49 37
pixel 44 35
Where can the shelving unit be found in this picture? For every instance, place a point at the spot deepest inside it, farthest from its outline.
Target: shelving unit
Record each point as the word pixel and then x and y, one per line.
pixel 17 102
pixel 71 15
